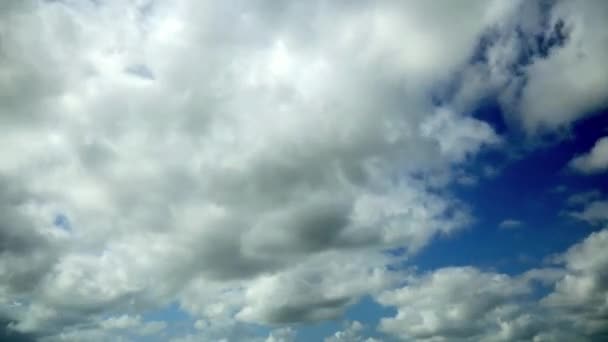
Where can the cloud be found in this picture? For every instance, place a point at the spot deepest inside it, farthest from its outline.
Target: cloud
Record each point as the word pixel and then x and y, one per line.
pixel 583 198
pixel 8 334
pixel 569 83
pixel 353 332
pixel 543 65
pixel 594 161
pixel 256 156
pixel 318 289
pixel 223 155
pixel 281 335
pixel 237 333
pixel 595 213
pixel 468 304
pixel 451 303
pixel 117 328
pixel 509 224
pixel 133 323
pixel 580 296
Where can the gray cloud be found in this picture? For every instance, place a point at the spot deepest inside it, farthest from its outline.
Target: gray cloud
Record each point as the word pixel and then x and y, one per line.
pixel 595 213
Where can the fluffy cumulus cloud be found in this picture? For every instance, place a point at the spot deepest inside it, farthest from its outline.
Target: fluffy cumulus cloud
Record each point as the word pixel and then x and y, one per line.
pixel 595 161
pixel 569 83
pixel 581 294
pixel 469 304
pixel 451 303
pixel 543 65
pixel 281 335
pixel 251 160
pixel 353 332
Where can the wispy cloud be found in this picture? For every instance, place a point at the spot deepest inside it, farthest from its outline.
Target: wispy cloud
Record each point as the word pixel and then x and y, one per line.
pixel 510 224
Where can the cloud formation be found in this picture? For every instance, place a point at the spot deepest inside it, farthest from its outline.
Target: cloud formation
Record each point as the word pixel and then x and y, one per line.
pixel 594 161
pixel 188 159
pixel 353 332
pixel 254 161
pixel 469 304
pixel 595 213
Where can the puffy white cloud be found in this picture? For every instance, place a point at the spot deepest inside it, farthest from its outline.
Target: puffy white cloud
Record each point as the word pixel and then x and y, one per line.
pixel 353 332
pixel 581 294
pixel 281 335
pixel 543 65
pixel 570 82
pixel 452 303
pixel 122 322
pixel 594 161
pixel 466 304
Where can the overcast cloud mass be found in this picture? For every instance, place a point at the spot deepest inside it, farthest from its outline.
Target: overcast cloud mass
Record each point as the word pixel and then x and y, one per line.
pixel 263 170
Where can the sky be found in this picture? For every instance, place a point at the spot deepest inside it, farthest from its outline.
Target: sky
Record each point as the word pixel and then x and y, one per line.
pixel 294 171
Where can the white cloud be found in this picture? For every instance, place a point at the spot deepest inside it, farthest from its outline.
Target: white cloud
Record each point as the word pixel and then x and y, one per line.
pixel 581 293
pixel 353 332
pixel 544 65
pixel 281 335
pixel 571 82
pixel 452 302
pixel 594 161
pixel 152 328
pixel 467 304
pixel 121 322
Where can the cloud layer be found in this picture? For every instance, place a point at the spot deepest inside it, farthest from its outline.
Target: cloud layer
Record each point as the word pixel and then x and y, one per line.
pixel 252 161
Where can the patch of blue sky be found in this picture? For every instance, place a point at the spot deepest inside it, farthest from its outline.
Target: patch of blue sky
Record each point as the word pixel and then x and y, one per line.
pixel 62 221
pixel 523 188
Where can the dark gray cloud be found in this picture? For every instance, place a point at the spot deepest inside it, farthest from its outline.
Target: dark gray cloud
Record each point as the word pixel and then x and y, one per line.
pixel 9 335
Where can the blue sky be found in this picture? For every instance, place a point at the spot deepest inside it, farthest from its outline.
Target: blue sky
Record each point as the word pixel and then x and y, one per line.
pixel 303 171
